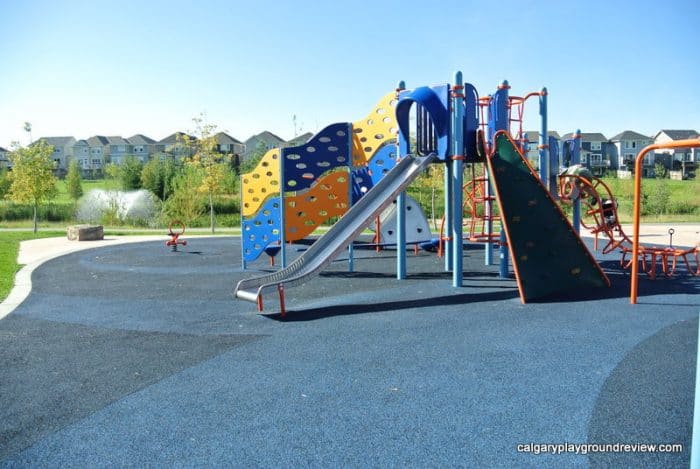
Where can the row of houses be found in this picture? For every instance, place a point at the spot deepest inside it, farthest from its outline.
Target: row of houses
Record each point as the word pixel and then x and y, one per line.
pixel 601 154
pixel 95 152
pixel 617 155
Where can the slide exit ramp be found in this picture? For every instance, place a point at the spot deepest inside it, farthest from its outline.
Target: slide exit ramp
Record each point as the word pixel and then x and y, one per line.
pixel 339 236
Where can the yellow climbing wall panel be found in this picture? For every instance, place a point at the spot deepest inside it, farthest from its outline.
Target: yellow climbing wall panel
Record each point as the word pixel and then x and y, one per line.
pixel 260 183
pixel 378 128
pixel 305 211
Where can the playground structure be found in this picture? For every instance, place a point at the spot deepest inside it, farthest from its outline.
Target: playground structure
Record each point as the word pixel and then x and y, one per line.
pixel 436 124
pixel 600 218
pixel 295 190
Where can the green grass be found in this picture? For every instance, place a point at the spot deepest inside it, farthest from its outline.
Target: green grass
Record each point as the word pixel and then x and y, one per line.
pixel 9 248
pixel 684 199
pixel 87 185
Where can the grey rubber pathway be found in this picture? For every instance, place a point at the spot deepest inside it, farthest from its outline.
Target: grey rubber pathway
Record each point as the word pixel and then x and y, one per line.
pixel 132 355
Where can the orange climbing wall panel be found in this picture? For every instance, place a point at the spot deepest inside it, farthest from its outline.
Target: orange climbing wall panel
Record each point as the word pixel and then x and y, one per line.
pixel 261 183
pixel 374 130
pixel 305 211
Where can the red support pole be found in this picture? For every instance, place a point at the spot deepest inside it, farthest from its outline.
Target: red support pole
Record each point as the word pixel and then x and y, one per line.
pixel 280 289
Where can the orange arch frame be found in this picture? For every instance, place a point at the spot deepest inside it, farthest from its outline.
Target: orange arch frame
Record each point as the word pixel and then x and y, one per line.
pixel 687 143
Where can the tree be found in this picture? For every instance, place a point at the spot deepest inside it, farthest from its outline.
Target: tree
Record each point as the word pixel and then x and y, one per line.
pixel 4 182
pixel 213 165
pixel 112 174
pixel 32 175
pixel 186 202
pixel 659 170
pixel 152 178
pixel 130 173
pixel 73 181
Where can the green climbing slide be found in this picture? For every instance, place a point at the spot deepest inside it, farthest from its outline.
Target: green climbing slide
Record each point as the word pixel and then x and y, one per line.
pixel 547 254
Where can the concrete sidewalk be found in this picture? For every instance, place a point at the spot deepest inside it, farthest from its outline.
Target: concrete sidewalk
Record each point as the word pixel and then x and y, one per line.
pixel 685 234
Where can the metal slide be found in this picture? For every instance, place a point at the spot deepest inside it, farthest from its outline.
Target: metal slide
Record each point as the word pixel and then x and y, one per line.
pixel 341 234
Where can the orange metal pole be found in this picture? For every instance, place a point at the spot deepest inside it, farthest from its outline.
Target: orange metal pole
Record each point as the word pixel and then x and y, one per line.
pixel 687 143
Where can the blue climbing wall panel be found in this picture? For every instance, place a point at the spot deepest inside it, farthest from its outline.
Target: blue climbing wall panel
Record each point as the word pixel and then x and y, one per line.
pixel 261 230
pixel 328 149
pixel 365 177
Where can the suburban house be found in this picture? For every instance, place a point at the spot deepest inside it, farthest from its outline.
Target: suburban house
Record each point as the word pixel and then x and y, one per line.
pixel 118 149
pixel 141 146
pixel 99 150
pixel 173 146
pixel 4 160
pixel 598 153
pixel 682 162
pixel 595 153
pixel 81 152
pixel 300 140
pixel 228 145
pixel 532 140
pixel 62 151
pixel 261 143
pixel 627 145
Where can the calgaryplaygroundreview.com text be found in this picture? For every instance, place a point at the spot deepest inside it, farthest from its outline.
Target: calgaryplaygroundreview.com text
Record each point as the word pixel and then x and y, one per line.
pixel 589 448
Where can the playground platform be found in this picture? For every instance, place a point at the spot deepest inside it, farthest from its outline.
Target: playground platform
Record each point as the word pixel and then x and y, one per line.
pixel 132 355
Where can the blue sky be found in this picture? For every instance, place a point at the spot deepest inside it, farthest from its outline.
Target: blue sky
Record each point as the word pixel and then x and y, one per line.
pixel 91 67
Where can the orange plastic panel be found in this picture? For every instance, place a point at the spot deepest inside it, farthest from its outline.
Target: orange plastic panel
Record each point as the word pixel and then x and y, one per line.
pixel 374 130
pixel 305 211
pixel 261 183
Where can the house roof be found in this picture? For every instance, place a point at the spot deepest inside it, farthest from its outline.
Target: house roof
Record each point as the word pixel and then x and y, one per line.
pixel 587 137
pixel 678 134
pixel 222 138
pixel 117 140
pixel 82 141
pixel 140 139
pixel 97 140
pixel 267 136
pixel 173 138
pixel 58 141
pixel 2 149
pixel 629 135
pixel 301 139
pixel 534 135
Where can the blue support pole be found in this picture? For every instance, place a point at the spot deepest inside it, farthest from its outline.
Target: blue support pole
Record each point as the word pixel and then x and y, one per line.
pixel 576 159
pixel 503 252
pixel 351 250
pixel 401 236
pixel 543 141
pixel 488 251
pixel 244 265
pixel 554 163
pixel 447 229
pixel 498 120
pixel 457 152
pixel 449 215
pixel 283 240
pixel 401 218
